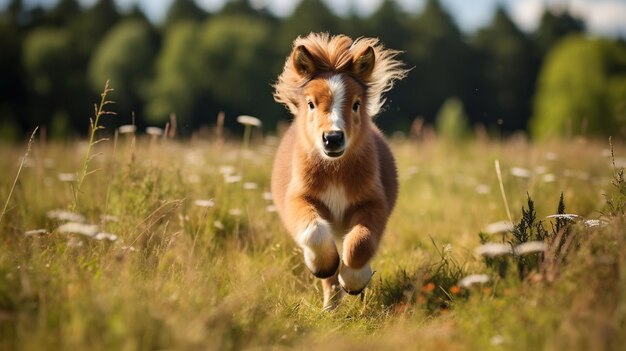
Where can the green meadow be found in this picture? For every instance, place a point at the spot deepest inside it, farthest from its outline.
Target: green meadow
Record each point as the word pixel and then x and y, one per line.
pixel 151 243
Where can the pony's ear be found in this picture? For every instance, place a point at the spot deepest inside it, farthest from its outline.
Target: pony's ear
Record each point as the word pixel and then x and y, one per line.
pixel 363 64
pixel 303 61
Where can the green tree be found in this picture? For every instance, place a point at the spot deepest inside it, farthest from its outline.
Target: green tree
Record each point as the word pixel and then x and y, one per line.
pixel 553 27
pixel 451 121
pixel 509 69
pixel 184 10
pixel 436 50
pixel 389 24
pixel 179 77
pixel 309 16
pixel 45 58
pixel 12 93
pixel 125 58
pixel 56 70
pixel 48 65
pixel 235 56
pixel 237 7
pixel 63 13
pixel 90 27
pixel 582 89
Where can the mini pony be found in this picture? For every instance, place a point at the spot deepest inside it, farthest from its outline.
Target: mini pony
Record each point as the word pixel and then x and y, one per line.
pixel 334 180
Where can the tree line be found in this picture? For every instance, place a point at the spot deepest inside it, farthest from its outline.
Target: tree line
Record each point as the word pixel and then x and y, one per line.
pixel 195 64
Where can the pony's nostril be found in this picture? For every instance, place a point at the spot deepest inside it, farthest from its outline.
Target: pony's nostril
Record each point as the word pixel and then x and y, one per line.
pixel 333 139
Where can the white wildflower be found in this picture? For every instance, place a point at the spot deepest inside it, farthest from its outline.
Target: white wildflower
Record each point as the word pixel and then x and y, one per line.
pixel 270 208
pixel 497 340
pixel 227 169
pixel 521 172
pixel 65 216
pixel 154 131
pixel 568 216
pixel 548 178
pixel 493 249
pixel 109 218
pixel 74 242
pixel 250 186
pixel 218 224
pixel 499 227
pixel 267 196
pixel 474 279
pixel 530 247
pixel 79 228
pixel 204 203
pixel 36 232
pixel 127 129
pixel 67 177
pixel 234 212
pixel 482 189
pixel 105 236
pixel 594 223
pixel 249 121
pixel 232 178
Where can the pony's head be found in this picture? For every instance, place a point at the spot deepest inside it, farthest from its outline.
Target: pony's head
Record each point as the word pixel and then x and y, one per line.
pixel 334 86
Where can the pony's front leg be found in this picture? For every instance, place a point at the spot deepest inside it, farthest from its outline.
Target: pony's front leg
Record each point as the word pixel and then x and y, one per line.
pixel 360 244
pixel 314 235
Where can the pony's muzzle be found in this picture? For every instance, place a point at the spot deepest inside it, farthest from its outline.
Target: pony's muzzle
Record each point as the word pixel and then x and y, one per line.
pixel 334 143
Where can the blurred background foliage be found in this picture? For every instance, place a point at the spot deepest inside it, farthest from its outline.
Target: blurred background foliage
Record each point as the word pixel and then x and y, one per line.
pixel 556 81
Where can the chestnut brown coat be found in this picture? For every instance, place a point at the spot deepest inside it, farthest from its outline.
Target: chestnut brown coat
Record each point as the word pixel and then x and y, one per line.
pixel 334 178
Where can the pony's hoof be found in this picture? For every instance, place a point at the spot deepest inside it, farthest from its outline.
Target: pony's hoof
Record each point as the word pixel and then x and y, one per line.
pixel 353 281
pixel 320 272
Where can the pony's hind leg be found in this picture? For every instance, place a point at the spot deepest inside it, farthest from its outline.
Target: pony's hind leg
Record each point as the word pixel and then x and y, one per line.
pixel 332 292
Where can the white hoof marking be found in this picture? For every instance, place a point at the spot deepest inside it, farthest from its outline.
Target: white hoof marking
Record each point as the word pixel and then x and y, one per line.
pixel 354 280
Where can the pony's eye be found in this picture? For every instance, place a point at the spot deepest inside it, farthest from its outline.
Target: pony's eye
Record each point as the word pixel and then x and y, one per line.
pixel 356 105
pixel 311 105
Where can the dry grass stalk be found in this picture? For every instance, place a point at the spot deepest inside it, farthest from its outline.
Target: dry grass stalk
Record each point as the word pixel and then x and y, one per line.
pixel 17 176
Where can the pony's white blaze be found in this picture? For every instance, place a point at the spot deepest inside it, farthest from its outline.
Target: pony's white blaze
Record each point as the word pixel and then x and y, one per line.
pixel 338 92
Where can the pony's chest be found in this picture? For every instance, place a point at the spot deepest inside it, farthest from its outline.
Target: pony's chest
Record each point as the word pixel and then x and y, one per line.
pixel 335 198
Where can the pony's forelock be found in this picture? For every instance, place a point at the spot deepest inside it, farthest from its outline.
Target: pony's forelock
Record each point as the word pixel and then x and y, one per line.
pixel 334 54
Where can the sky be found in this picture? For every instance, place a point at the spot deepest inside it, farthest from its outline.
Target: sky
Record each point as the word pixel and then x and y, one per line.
pixel 603 17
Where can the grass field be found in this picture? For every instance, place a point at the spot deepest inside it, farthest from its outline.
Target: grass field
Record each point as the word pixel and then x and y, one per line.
pixel 181 250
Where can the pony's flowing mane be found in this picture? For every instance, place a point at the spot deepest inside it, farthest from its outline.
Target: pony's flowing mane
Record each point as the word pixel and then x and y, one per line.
pixel 334 54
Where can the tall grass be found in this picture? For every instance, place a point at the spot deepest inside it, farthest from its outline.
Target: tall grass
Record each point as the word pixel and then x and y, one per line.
pixel 17 176
pixel 187 274
pixel 94 126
